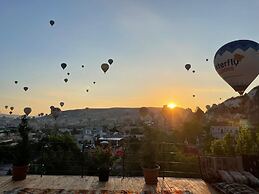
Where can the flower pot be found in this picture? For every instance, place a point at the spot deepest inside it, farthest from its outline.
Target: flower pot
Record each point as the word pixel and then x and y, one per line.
pixel 104 174
pixel 151 175
pixel 19 172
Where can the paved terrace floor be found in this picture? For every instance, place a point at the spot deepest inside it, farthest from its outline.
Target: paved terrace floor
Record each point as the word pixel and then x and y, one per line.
pixel 134 184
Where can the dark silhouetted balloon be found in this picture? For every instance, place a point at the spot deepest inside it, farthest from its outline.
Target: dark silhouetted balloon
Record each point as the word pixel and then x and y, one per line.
pixel 110 61
pixel 61 104
pixel 105 67
pixel 63 65
pixel 188 66
pixel 10 112
pixel 83 66
pixel 94 82
pixel 51 22
pixel 193 71
pixel 66 80
pixel 25 88
pixel 68 73
pixel 12 108
pixel 193 95
pixel 87 90
pixel 27 110
pixel 16 82
pixel 6 107
pixel 207 59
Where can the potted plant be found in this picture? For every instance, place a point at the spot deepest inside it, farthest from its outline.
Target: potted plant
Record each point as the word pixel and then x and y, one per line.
pixel 22 152
pixel 104 159
pixel 149 157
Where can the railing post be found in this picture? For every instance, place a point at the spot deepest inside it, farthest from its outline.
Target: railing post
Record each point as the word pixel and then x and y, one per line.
pixel 82 160
pixel 123 162
pixel 163 151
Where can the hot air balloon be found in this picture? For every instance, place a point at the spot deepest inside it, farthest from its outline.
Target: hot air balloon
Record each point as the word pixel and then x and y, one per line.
pixel 105 67
pixel 66 80
pixel 25 88
pixel 193 71
pixel 27 110
pixel 87 90
pixel 94 82
pixel 207 59
pixel 16 82
pixel 51 22
pixel 83 66
pixel 68 73
pixel 6 107
pixel 10 112
pixel 63 65
pixel 61 104
pixel 12 108
pixel 188 66
pixel 237 63
pixel 110 61
pixel 193 95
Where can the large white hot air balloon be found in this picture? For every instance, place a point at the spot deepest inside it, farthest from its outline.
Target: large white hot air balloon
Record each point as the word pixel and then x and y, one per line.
pixel 237 63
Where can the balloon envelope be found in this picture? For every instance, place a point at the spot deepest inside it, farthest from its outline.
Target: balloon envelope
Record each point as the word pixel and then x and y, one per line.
pixel 6 107
pixel 12 108
pixel 66 80
pixel 110 61
pixel 105 67
pixel 16 82
pixel 61 104
pixel 237 63
pixel 25 88
pixel 10 112
pixel 188 66
pixel 63 65
pixel 51 22
pixel 27 110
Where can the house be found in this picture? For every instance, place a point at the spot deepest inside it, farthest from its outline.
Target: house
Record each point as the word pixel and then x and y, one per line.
pixel 220 131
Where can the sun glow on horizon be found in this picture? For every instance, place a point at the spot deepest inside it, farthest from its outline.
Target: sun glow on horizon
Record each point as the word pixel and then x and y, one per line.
pixel 171 105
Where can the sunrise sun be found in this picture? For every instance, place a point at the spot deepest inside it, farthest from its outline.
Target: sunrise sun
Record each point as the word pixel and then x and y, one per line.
pixel 171 105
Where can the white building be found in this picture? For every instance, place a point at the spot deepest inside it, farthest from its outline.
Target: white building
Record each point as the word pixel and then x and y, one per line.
pixel 220 131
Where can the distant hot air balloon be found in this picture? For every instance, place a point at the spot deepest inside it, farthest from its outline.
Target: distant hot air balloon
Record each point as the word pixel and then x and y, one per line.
pixel 83 66
pixel 188 66
pixel 16 82
pixel 27 110
pixel 105 67
pixel 193 71
pixel 110 61
pixel 61 104
pixel 63 65
pixel 68 73
pixel 25 88
pixel 94 82
pixel 10 112
pixel 237 63
pixel 207 59
pixel 6 107
pixel 87 90
pixel 193 95
pixel 66 80
pixel 12 108
pixel 51 22
pixel 55 112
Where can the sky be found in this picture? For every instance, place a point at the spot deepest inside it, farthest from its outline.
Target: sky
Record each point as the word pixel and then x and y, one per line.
pixel 150 41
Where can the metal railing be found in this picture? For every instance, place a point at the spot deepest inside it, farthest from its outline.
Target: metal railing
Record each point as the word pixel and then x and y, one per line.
pixel 60 159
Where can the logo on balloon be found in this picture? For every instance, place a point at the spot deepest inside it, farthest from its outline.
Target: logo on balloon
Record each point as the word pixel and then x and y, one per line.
pixel 229 64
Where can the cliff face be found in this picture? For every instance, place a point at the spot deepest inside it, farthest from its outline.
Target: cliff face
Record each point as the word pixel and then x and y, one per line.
pixel 237 108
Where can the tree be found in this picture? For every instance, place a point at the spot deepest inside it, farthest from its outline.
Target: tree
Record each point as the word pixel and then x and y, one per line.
pixel 229 144
pixel 245 143
pixel 217 147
